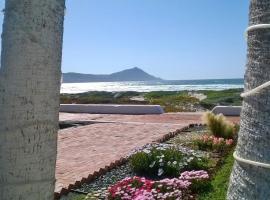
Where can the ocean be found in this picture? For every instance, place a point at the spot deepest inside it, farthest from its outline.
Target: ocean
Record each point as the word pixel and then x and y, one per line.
pixel 148 86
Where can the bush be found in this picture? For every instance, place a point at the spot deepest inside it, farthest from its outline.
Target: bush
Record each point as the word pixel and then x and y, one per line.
pixel 165 162
pixel 219 126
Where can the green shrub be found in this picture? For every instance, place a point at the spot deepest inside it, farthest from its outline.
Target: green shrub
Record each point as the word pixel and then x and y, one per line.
pixel 219 126
pixel 165 162
pixel 150 163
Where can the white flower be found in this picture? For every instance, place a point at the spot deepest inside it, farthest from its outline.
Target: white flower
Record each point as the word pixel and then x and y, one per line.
pixel 160 171
pixel 152 164
pixel 146 151
pixel 174 162
pixel 181 165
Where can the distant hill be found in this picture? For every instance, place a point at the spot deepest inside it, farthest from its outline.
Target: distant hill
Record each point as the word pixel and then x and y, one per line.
pixel 133 74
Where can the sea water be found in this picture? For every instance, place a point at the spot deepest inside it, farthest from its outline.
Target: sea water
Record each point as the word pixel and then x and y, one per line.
pixel 148 86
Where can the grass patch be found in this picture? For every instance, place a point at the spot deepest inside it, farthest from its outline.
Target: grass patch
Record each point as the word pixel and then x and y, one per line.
pixel 73 196
pixel 171 101
pixel 220 182
pixel 224 97
pixel 79 197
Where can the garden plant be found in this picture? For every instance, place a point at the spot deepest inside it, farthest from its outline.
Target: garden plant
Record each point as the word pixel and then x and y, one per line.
pixel 219 126
pixel 167 161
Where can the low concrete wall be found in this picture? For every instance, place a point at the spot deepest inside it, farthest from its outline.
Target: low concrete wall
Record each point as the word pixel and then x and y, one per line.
pixel 227 110
pixel 111 109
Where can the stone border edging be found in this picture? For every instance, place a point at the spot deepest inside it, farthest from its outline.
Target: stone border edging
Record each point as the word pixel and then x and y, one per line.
pixel 90 177
pixel 115 164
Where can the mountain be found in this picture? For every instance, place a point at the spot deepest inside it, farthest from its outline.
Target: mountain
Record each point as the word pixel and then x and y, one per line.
pixel 133 74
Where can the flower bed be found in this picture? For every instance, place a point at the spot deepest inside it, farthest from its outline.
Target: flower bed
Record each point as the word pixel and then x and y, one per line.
pixel 138 188
pixel 211 143
pixel 179 169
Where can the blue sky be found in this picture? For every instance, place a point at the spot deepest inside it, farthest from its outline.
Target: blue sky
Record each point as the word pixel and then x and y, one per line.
pixel 172 39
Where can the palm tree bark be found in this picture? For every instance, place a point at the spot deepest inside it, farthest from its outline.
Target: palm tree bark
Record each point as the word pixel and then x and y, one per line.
pixel 29 97
pixel 247 181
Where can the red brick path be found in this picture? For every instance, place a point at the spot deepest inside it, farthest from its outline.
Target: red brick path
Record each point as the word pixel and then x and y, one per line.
pixel 86 149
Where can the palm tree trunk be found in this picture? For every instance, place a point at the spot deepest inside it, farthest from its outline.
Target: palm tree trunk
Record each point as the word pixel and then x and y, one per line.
pixel 29 98
pixel 247 181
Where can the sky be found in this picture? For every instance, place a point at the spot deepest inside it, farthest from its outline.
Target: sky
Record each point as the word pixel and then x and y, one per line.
pixel 171 39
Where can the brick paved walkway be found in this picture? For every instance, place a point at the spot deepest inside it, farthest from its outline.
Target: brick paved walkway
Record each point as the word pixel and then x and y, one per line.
pixel 85 149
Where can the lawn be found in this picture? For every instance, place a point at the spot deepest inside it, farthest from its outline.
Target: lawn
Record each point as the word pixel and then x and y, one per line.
pixel 220 181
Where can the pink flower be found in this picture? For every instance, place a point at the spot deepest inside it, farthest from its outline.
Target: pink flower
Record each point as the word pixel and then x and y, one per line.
pixel 215 141
pixel 144 195
pixel 194 175
pixel 137 188
pixel 221 140
pixel 229 142
pixel 205 138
